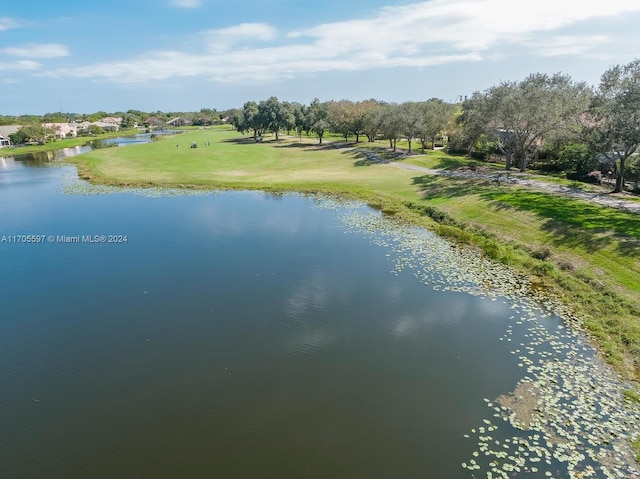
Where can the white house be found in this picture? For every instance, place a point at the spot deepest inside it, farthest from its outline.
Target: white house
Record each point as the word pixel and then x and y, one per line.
pixel 5 131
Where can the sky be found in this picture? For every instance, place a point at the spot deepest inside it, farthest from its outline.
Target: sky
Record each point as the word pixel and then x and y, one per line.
pixel 184 55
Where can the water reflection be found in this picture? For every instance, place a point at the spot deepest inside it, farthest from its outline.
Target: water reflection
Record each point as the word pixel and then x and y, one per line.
pixel 41 158
pixel 238 336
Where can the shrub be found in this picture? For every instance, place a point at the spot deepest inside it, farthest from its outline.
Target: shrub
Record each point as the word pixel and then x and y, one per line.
pixel 594 177
pixel 577 157
pixel 546 166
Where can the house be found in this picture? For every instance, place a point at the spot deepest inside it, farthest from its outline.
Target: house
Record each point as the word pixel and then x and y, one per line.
pixel 106 125
pixel 5 132
pixel 113 120
pixel 154 122
pixel 178 121
pixel 62 130
pixel 81 126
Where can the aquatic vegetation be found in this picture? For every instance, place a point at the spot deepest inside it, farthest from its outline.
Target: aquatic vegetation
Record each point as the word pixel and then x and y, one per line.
pixel 567 416
pixel 72 185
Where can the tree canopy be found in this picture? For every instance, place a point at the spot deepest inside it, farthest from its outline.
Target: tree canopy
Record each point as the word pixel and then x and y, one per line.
pixel 518 116
pixel 613 120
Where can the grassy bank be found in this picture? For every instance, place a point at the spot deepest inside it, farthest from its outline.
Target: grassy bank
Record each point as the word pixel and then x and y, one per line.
pixel 584 254
pixel 66 143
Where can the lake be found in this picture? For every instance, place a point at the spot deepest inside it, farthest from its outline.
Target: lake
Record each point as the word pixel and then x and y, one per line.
pixel 164 334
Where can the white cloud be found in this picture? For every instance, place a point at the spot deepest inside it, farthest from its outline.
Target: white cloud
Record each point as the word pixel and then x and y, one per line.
pixel 186 3
pixel 20 65
pixel 38 50
pixel 225 38
pixel 7 23
pixel 569 45
pixel 416 35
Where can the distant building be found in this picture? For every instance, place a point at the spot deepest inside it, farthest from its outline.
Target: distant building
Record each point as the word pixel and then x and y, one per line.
pixel 5 132
pixel 106 125
pixel 62 130
pixel 112 120
pixel 81 125
pixel 178 121
pixel 154 122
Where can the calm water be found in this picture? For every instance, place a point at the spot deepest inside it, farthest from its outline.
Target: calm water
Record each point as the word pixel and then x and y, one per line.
pixel 233 335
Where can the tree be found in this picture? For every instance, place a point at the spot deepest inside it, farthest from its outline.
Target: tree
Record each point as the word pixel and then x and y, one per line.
pixel 435 116
pixel 130 120
pixel 33 132
pixel 95 130
pixel 577 157
pixel 300 118
pixel 391 123
pixel 359 115
pixel 318 118
pixel 520 115
pixel 249 119
pixel 613 122
pixel 409 121
pixel 275 115
pixel 99 115
pixel 372 119
pixel 341 117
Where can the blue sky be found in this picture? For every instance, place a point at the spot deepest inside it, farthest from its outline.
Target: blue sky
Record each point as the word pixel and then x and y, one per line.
pixel 184 55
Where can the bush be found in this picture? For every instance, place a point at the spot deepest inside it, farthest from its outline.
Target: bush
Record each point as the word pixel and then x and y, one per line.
pixel 577 157
pixel 594 177
pixel 546 166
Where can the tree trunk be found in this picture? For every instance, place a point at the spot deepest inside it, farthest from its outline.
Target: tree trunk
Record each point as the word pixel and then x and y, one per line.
pixel 357 138
pixel 422 146
pixel 620 177
pixel 394 144
pixel 523 164
pixel 409 140
pixel 508 164
pixel 390 143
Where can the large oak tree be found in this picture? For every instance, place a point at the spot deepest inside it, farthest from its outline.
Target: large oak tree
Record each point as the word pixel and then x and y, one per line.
pixel 614 117
pixel 519 116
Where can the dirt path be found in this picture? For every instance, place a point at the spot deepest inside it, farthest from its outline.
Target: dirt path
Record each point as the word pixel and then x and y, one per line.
pixel 605 199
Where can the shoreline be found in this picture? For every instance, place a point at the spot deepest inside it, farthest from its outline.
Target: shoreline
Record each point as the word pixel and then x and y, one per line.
pixel 529 408
pixel 565 285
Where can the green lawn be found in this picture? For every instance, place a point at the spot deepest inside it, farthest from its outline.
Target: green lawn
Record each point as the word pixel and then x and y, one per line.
pixel 588 255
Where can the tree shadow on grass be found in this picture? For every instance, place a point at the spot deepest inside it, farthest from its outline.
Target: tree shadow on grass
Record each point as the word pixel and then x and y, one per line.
pixel 571 223
pixel 375 156
pixel 453 163
pixel 297 144
pixel 434 187
pixel 574 223
pixel 241 141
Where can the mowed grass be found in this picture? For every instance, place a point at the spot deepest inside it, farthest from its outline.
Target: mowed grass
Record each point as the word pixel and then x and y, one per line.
pixel 236 161
pixel 585 254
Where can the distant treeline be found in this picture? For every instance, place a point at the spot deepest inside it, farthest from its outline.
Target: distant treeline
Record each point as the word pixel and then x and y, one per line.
pixel 544 121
